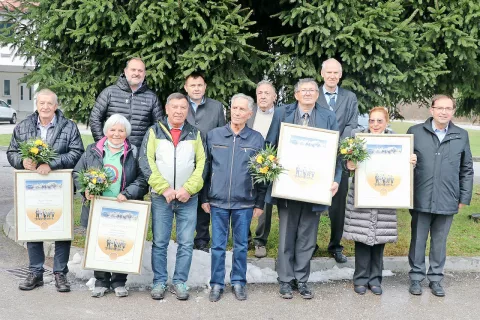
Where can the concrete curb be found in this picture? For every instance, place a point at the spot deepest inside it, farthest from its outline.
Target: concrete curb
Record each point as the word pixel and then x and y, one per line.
pixel 395 264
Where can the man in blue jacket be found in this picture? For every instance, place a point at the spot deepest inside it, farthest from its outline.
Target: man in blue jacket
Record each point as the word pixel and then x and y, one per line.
pixel 443 185
pixel 230 194
pixel 299 220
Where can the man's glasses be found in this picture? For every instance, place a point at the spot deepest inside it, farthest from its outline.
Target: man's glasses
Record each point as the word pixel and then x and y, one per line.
pixel 308 91
pixel 372 121
pixel 449 109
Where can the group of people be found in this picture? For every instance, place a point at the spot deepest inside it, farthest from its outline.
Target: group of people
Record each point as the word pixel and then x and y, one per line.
pixel 195 166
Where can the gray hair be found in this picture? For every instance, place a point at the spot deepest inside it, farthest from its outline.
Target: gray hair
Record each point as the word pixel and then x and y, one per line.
pixel 266 82
pixel 331 60
pixel 48 92
pixel 134 59
pixel 176 96
pixel 305 80
pixel 243 96
pixel 117 119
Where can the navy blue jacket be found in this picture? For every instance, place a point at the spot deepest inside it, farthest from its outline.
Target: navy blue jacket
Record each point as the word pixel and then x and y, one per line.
pixel 228 183
pixel 324 119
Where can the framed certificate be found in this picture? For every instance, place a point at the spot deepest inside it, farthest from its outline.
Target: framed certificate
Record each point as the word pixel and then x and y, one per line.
pixel 116 235
pixel 43 205
pixel 385 180
pixel 309 157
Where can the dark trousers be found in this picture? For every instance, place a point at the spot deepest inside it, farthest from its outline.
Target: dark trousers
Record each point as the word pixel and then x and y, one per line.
pixel 36 256
pixel 368 264
pixel 336 212
pixel 263 227
pixel 438 225
pixel 297 239
pixel 203 227
pixel 109 279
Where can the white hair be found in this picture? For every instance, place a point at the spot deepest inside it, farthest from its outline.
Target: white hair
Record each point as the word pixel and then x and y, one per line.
pixel 305 80
pixel 266 82
pixel 331 60
pixel 48 92
pixel 117 119
pixel 243 96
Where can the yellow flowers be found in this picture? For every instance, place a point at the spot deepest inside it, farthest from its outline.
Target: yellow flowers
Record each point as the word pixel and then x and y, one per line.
pixel 264 170
pixel 271 157
pixel 343 151
pixel 34 150
pixel 94 181
pixel 260 159
pixel 38 142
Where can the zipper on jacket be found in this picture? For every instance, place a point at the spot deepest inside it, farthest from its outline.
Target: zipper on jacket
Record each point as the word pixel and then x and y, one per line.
pixel 131 105
pixel 211 184
pixel 174 166
pixel 251 190
pixel 231 173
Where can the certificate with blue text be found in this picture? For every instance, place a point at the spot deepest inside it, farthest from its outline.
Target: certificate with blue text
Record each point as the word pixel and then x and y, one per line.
pixel 385 179
pixel 309 157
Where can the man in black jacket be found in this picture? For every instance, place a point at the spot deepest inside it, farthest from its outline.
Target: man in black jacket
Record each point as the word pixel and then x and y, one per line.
pixel 205 114
pixel 443 185
pixel 63 136
pixel 130 97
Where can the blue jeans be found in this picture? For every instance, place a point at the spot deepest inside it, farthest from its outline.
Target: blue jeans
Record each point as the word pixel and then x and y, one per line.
pixel 162 220
pixel 241 219
pixel 36 256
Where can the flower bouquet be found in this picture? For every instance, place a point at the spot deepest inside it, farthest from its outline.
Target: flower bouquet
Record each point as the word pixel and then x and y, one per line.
pixel 95 180
pixel 37 150
pixel 264 166
pixel 353 149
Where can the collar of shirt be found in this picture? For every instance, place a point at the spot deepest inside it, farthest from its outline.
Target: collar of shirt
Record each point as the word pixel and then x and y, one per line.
pixel 438 130
pixel 194 105
pixel 303 112
pixel 325 92
pixel 269 111
pixel 51 124
pixel 170 127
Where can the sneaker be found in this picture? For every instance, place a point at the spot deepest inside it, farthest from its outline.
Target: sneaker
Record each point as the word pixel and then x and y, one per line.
pixel 31 282
pixel 98 292
pixel 180 290
pixel 437 288
pixel 158 291
pixel 415 288
pixel 121 292
pixel 304 290
pixel 286 290
pixel 260 251
pixel 61 282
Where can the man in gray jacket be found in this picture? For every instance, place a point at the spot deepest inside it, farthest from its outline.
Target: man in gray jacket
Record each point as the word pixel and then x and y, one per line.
pixel 443 185
pixel 205 114
pixel 344 104
pixel 131 98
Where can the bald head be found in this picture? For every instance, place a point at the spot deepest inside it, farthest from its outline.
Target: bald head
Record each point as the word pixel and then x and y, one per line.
pixel 331 74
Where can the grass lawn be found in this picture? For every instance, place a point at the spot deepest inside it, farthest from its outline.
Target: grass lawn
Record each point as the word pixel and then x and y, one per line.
pixel 402 127
pixel 463 240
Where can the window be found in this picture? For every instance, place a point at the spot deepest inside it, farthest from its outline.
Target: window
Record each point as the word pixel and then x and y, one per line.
pixel 3 104
pixel 6 87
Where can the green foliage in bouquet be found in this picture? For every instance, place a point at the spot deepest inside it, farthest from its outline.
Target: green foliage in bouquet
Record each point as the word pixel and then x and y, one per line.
pixel 37 150
pixel 353 149
pixel 264 166
pixel 95 180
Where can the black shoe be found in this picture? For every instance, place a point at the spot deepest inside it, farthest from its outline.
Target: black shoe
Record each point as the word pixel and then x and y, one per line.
pixel 239 291
pixel 377 290
pixel 415 288
pixel 360 289
pixel 294 284
pixel 286 290
pixel 61 283
pixel 436 288
pixel 203 247
pixel 305 291
pixel 31 282
pixel 339 257
pixel 215 293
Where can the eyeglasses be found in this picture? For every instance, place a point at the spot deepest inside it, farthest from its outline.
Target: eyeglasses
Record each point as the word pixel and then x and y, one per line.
pixel 308 91
pixel 372 121
pixel 449 109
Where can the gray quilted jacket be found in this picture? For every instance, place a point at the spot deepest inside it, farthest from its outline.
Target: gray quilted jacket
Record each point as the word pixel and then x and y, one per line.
pixel 369 226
